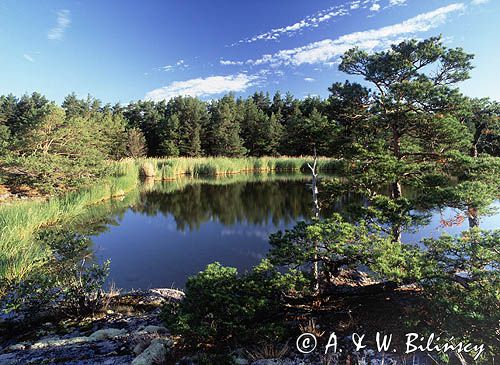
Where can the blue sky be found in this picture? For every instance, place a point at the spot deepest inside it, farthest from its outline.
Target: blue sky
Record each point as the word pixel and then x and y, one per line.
pixel 126 50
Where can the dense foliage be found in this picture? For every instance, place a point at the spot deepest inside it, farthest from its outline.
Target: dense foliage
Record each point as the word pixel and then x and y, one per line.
pixel 223 309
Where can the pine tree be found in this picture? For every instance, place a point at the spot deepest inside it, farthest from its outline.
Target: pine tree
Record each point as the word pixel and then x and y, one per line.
pixel 223 133
pixel 136 143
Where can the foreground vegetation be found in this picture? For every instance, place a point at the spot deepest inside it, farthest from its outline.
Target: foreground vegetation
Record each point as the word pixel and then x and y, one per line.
pixel 21 220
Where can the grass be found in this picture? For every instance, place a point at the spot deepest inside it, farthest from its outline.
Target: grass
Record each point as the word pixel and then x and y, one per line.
pixel 19 221
pixel 166 169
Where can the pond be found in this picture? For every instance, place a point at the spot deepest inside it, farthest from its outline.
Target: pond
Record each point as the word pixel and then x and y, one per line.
pixel 161 234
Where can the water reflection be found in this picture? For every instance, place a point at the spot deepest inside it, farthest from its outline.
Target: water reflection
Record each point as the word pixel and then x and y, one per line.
pixel 161 234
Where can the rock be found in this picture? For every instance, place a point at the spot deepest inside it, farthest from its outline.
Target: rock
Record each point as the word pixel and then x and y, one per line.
pixel 241 361
pixel 155 353
pixel 17 347
pixel 107 333
pixel 154 329
pixel 279 362
pixel 59 342
pixel 8 359
pixel 112 336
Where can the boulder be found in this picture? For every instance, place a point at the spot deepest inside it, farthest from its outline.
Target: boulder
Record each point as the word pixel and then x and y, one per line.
pixel 107 333
pixel 155 353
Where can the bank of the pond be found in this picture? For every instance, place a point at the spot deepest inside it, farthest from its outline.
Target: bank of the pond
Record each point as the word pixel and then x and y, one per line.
pixel 21 219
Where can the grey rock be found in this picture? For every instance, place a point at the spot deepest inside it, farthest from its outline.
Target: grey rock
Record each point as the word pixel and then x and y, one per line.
pixel 241 361
pixel 59 342
pixel 107 333
pixel 156 352
pixel 8 359
pixel 153 329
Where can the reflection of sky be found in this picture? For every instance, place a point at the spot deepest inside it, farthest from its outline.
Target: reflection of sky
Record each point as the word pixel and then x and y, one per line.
pixel 151 251
pixel 436 229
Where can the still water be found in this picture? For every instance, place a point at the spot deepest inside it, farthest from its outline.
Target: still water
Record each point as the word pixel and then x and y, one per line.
pixel 162 234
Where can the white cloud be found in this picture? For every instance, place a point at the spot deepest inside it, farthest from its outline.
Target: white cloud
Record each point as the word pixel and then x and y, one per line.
pixel 397 2
pixel 212 85
pixel 177 65
pixel 479 2
pixel 313 21
pixel 328 50
pixel 63 22
pixel 309 79
pixel 230 63
pixel 28 58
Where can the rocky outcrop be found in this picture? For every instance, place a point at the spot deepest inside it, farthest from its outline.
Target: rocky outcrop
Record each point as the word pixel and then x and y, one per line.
pixel 129 332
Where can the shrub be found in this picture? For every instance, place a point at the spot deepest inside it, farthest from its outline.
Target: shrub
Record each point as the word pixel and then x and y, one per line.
pixel 222 309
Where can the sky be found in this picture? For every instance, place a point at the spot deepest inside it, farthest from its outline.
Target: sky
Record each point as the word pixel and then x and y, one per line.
pixel 120 51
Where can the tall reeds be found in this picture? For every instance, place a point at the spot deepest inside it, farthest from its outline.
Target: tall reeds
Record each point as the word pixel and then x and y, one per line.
pixel 19 221
pixel 213 166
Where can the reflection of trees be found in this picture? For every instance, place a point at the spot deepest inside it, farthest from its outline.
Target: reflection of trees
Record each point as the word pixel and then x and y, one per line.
pixel 97 218
pixel 253 202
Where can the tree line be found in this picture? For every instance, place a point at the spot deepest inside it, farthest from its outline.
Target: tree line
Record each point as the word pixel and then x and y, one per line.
pixel 414 112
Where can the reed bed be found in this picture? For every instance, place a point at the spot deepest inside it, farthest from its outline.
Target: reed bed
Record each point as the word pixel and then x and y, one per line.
pixel 165 169
pixel 19 221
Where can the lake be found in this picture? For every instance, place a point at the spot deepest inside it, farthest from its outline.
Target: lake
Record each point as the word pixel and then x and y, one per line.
pixel 161 234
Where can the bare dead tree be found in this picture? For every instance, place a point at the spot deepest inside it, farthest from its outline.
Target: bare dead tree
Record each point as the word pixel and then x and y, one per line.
pixel 316 209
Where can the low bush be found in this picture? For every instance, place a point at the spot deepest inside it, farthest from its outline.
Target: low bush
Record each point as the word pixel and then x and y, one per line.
pixel 147 169
pixel 222 309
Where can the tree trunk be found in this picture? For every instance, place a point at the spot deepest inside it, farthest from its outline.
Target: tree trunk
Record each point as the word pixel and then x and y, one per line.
pixel 396 147
pixel 396 233
pixel 473 215
pixel 473 151
pixel 396 192
pixel 472 212
pixel 316 209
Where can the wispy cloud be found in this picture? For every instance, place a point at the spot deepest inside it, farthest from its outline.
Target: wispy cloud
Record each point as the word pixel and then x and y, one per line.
pixel 63 22
pixel 309 79
pixel 328 50
pixel 397 2
pixel 230 63
pixel 479 2
pixel 314 20
pixel 27 57
pixel 178 65
pixel 212 85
